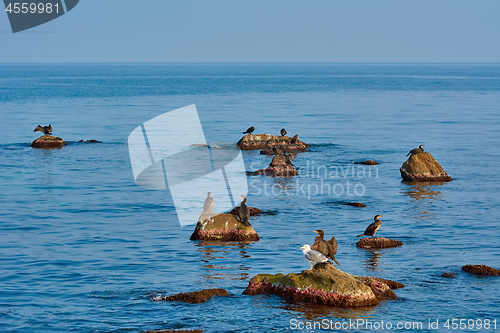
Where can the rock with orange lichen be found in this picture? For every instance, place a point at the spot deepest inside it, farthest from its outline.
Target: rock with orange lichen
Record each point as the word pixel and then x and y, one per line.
pixel 48 142
pixel 261 141
pixel 423 167
pixel 324 284
pixel 193 297
pixel 378 243
pixel 222 227
pixel 481 270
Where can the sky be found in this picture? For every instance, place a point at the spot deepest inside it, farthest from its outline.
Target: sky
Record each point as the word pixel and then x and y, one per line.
pixel 377 31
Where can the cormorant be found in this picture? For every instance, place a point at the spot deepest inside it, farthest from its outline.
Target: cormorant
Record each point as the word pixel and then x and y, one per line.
pixel 314 257
pixel 244 212
pixel 416 150
pixel 372 228
pixel 283 132
pixel 209 204
pixel 249 130
pixel 45 129
pixel 328 248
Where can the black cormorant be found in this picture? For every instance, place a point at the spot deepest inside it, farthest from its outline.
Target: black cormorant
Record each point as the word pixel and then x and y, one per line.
pixel 249 130
pixel 283 132
pixel 416 150
pixel 45 129
pixel 328 248
pixel 372 228
pixel 244 212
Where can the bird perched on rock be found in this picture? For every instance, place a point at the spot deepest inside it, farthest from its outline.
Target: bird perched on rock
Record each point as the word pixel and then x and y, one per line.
pixel 327 248
pixel 208 206
pixel 244 212
pixel 416 150
pixel 45 129
pixel 249 130
pixel 283 132
pixel 314 257
pixel 373 227
pixel 295 138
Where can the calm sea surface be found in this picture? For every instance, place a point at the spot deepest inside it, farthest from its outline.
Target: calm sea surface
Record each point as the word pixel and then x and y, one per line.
pixel 82 248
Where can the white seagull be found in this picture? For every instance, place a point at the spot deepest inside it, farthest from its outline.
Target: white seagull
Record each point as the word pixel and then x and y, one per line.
pixel 314 257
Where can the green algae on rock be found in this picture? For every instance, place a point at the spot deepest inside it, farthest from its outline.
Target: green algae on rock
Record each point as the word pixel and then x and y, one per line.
pixel 48 142
pixel 324 284
pixel 223 227
pixel 423 167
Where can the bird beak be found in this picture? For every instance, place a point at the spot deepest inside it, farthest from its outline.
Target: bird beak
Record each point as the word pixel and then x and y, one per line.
pixel 301 247
pixel 316 231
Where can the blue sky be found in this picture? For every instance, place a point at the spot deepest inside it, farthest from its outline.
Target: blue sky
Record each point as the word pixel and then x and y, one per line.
pixel 262 31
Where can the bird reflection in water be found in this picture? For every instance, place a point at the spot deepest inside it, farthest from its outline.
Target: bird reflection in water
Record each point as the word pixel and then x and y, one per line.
pixel 223 260
pixel 372 258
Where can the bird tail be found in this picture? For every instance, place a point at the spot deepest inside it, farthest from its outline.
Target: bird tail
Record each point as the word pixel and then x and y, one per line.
pixel 408 154
pixel 360 235
pixel 336 261
pixel 243 132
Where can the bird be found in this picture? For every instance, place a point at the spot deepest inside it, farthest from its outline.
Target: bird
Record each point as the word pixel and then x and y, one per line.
pixel 283 132
pixel 244 212
pixel 373 227
pixel 208 206
pixel 314 257
pixel 294 139
pixel 416 150
pixel 327 248
pixel 45 129
pixel 249 130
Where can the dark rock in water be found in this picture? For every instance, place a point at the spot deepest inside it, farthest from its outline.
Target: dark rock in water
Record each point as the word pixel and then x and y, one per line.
pixel 261 141
pixel 90 141
pixel 48 142
pixel 449 275
pixel 280 167
pixel 222 227
pixel 253 211
pixel 175 331
pixel 324 284
pixel 481 270
pixel 356 204
pixel 391 284
pixel 377 243
pixel 368 162
pixel 193 297
pixel 423 168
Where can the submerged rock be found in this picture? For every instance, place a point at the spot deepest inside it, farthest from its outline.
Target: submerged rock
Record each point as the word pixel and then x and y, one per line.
pixel 253 211
pixel 481 270
pixel 324 284
pixel 377 243
pixel 193 297
pixel 90 141
pixel 449 275
pixel 223 227
pixel 48 141
pixel 423 167
pixel 368 162
pixel 261 141
pixel 280 166
pixel 355 204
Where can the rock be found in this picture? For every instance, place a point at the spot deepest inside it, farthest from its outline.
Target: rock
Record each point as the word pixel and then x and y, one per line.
pixel 280 167
pixel 48 141
pixel 261 141
pixel 324 284
pixel 355 204
pixel 449 275
pixel 173 331
pixel 368 162
pixel 481 270
pixel 391 284
pixel 377 243
pixel 423 167
pixel 90 141
pixel 253 211
pixel 192 297
pixel 223 227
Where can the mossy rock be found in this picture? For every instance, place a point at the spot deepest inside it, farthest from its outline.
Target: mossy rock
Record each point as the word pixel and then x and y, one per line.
pixel 224 227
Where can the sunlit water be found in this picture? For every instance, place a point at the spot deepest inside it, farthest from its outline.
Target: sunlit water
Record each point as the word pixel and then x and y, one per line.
pixel 83 248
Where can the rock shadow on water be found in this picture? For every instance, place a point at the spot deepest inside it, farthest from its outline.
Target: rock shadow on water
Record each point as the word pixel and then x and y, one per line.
pixel 223 260
pixel 313 312
pixel 422 190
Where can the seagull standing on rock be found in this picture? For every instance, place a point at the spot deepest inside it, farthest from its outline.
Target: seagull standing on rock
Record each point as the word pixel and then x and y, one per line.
pixel 314 257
